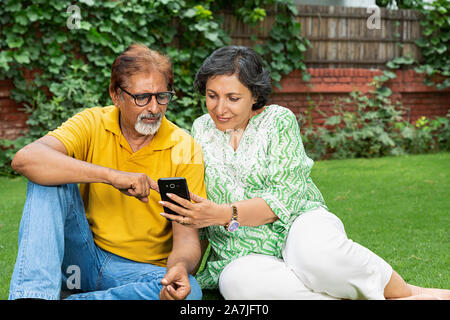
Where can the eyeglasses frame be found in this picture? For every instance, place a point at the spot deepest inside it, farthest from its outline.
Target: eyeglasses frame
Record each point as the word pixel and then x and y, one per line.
pixel 134 96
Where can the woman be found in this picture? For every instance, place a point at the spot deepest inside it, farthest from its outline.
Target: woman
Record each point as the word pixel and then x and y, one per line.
pixel 271 234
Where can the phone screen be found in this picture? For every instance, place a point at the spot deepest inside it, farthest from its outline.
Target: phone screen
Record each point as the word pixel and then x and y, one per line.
pixel 176 186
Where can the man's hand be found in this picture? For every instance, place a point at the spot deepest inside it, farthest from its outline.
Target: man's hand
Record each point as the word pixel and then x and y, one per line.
pixel 175 283
pixel 133 184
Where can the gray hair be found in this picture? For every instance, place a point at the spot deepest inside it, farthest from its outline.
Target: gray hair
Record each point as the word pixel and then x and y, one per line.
pixel 242 61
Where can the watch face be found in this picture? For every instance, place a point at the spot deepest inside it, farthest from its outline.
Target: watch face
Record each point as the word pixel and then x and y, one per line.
pixel 233 226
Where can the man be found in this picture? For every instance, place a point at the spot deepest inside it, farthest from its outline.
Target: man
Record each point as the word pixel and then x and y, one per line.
pixel 107 237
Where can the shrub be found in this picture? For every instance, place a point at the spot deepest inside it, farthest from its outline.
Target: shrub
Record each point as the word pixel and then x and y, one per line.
pixel 371 125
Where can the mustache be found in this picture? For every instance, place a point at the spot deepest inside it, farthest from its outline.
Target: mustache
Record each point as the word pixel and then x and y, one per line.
pixel 150 116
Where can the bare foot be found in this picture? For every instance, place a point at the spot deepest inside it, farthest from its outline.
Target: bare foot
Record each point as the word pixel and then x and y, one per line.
pixel 440 294
pixel 418 297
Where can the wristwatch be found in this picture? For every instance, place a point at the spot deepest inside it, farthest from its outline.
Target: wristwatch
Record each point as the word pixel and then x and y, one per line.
pixel 234 224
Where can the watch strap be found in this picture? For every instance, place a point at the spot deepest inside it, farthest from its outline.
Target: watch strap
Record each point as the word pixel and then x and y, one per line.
pixel 233 225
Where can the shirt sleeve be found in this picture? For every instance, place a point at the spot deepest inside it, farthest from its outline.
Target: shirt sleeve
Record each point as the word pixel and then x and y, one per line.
pixel 76 133
pixel 288 170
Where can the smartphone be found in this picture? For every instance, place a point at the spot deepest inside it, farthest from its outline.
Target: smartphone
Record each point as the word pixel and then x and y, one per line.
pixel 176 186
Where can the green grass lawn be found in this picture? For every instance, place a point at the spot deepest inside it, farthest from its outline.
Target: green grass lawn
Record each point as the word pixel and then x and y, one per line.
pixel 12 199
pixel 396 206
pixel 399 207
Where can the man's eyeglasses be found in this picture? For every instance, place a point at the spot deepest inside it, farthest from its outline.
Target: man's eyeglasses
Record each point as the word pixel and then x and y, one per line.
pixel 144 99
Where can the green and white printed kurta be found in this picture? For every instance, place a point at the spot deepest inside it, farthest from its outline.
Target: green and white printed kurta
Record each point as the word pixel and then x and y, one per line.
pixel 270 163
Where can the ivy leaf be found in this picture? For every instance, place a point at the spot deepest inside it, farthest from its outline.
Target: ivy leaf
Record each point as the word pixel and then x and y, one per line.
pixel 259 49
pixel 277 47
pixel 293 8
pixel 59 60
pixel 306 76
pixel 428 31
pixel 441 48
pixel 88 2
pixel 428 82
pixel 118 18
pixel 14 41
pixel 422 42
pixel 59 5
pixel 13 6
pixel 201 26
pixel 381 78
pixel 443 85
pixel 391 65
pixel 5 59
pixel 33 13
pixel 307 43
pixel 442 10
pixel 22 56
pixel 21 18
pixel 301 47
pixel 384 91
pixel 190 13
pixel 435 40
pixel 429 70
pixel 96 37
pixel 106 26
pixel 333 120
pixel 403 60
pixel 84 25
pixel 276 77
pixel 212 36
pixel 61 37
pixel 390 74
pixel 18 29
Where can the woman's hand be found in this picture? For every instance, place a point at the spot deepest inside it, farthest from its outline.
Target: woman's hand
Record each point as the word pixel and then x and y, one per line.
pixel 202 213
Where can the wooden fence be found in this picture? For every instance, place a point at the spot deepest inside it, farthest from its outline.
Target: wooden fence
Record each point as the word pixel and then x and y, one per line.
pixel 341 37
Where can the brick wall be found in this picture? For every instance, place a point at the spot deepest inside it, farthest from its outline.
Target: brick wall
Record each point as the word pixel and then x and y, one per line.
pixel 12 116
pixel 323 88
pixel 326 85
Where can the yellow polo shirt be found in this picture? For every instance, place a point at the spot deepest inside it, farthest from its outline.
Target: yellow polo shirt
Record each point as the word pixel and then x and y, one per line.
pixel 122 224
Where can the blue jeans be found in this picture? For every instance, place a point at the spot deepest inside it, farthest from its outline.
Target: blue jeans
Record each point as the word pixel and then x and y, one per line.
pixel 56 249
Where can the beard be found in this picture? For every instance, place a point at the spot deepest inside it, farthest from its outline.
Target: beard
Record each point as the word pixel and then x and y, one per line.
pixel 147 129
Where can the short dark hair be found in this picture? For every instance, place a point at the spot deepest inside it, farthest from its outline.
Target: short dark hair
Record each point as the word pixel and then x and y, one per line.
pixel 242 61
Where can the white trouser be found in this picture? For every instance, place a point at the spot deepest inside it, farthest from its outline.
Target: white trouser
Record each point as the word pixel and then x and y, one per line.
pixel 319 262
